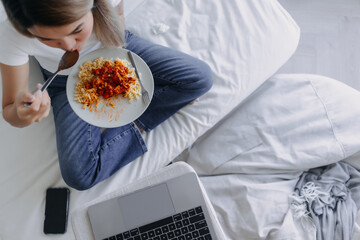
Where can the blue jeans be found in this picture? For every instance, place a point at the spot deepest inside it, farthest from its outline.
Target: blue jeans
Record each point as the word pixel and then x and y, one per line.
pixel 86 155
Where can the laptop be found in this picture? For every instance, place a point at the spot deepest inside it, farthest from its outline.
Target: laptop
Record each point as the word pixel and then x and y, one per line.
pixel 174 209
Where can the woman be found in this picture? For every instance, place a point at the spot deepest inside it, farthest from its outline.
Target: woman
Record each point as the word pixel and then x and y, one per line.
pixel 45 29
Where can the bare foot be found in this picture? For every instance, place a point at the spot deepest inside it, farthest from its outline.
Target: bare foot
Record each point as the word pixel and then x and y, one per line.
pixel 196 100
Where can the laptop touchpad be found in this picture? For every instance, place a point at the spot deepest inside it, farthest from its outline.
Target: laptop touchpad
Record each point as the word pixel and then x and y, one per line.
pixel 145 206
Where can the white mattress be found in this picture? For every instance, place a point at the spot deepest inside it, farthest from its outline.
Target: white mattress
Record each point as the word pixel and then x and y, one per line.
pixel 245 42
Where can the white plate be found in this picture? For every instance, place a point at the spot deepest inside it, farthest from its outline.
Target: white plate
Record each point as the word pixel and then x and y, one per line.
pixel 124 112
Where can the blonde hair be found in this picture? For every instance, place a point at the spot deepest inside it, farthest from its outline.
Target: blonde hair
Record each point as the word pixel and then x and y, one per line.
pixel 24 14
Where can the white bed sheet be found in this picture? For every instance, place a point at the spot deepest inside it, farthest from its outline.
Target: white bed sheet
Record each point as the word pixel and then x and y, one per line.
pixel 244 42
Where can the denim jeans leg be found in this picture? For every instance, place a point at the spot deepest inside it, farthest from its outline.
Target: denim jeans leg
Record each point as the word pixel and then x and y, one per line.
pixel 87 156
pixel 179 79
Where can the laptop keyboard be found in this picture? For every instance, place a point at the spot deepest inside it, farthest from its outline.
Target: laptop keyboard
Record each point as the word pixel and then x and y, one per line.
pixel 190 224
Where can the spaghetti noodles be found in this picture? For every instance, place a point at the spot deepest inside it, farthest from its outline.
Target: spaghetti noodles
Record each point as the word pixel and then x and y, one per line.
pixel 105 79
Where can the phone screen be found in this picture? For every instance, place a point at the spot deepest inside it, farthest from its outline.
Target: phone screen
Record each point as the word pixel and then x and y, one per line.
pixel 56 210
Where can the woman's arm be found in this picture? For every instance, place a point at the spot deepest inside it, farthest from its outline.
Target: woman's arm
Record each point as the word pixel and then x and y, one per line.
pixel 16 94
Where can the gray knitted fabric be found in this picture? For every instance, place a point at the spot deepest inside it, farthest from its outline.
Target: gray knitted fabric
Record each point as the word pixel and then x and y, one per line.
pixel 332 197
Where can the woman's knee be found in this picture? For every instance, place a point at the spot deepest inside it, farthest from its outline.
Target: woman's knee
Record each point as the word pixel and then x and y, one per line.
pixel 207 77
pixel 76 182
pixel 77 177
pixel 204 78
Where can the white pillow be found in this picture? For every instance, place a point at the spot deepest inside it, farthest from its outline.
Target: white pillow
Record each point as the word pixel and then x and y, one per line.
pixel 293 122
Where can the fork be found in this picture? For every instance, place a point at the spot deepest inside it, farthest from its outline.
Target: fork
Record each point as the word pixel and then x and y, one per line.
pixel 144 93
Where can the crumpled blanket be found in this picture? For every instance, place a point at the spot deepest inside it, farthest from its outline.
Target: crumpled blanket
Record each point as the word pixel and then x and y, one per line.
pixel 329 197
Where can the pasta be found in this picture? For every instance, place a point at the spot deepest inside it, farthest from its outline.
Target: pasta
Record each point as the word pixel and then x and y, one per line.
pixel 105 79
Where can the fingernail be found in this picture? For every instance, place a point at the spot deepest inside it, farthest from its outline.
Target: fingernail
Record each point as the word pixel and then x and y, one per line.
pixel 38 92
pixel 31 98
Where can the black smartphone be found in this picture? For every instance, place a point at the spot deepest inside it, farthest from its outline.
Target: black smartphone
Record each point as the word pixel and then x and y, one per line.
pixel 56 210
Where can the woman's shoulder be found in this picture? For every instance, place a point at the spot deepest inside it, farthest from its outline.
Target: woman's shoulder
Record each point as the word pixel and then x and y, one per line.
pixel 11 36
pixel 14 47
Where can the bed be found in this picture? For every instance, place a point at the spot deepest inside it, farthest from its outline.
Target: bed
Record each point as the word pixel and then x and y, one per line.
pixel 247 159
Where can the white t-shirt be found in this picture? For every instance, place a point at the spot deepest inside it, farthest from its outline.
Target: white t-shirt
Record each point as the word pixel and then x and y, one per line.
pixel 15 48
